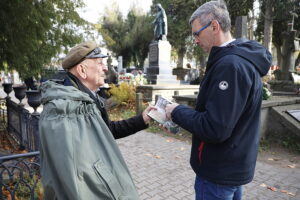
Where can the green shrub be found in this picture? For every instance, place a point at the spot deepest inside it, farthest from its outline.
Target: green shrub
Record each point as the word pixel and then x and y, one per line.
pixel 124 94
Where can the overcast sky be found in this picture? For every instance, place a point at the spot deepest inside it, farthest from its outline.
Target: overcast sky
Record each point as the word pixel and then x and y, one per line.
pixel 96 7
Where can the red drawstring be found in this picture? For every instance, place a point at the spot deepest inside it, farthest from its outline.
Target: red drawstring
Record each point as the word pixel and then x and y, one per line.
pixel 201 146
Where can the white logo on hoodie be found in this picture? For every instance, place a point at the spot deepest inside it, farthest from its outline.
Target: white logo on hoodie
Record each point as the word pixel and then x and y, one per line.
pixel 223 85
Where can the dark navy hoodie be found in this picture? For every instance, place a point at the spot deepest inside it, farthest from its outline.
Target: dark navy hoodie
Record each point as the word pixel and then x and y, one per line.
pixel 226 120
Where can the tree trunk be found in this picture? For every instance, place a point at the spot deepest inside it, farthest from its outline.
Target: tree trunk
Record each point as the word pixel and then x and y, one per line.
pixel 202 67
pixel 278 53
pixel 268 25
pixel 251 26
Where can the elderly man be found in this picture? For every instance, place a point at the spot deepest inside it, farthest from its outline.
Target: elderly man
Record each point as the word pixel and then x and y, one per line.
pixel 225 122
pixel 79 156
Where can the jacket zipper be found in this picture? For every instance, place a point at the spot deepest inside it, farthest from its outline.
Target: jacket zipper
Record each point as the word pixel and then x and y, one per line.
pixel 201 146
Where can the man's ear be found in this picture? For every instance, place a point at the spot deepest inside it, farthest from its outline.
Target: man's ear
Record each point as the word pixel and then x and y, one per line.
pixel 81 71
pixel 215 26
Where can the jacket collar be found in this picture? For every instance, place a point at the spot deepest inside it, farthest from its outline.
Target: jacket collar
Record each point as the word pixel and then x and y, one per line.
pixel 72 80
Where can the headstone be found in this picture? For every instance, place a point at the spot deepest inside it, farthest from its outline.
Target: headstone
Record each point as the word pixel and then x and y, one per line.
pixel 16 78
pixel 241 27
pixel 160 70
pixel 111 74
pixel 120 64
pixel 289 47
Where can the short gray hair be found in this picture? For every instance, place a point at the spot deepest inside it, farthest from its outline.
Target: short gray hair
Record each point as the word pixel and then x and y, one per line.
pixel 213 10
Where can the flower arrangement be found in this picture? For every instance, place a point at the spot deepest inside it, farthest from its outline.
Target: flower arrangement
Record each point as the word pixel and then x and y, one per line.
pixel 266 93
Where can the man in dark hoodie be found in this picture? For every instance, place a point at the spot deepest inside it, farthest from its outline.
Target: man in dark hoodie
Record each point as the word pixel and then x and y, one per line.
pixel 225 122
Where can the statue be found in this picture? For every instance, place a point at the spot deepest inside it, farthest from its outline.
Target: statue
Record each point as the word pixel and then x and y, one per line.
pixel 160 24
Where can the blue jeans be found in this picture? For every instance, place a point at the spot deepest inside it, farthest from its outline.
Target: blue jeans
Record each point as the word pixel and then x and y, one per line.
pixel 206 190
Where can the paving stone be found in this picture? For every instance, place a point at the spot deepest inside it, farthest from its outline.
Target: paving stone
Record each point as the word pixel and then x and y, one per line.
pixel 160 168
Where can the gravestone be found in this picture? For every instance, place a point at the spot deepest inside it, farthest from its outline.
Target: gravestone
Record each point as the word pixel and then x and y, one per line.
pixel 289 47
pixel 120 64
pixel 241 27
pixel 111 74
pixel 160 70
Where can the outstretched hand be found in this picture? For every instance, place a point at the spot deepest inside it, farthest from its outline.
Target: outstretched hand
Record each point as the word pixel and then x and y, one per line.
pixel 145 113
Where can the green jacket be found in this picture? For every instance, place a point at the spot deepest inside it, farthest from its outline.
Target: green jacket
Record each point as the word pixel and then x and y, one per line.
pixel 79 156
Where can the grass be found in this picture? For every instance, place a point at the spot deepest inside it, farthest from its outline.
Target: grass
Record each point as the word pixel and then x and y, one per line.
pixel 289 142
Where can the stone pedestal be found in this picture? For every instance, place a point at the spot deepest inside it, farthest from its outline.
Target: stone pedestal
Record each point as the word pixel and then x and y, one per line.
pixel 160 71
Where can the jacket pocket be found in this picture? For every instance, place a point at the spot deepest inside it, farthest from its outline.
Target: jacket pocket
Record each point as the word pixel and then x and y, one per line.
pixel 110 181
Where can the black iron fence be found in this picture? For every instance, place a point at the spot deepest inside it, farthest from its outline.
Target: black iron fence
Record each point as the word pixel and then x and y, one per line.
pixel 22 126
pixel 20 173
pixel 20 177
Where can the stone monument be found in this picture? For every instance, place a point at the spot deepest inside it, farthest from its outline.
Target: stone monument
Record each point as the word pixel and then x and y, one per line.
pixel 285 82
pixel 120 64
pixel 159 70
pixel 289 47
pixel 241 27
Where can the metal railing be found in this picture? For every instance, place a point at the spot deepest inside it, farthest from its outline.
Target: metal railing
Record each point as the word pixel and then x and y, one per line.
pixel 20 176
pixel 22 126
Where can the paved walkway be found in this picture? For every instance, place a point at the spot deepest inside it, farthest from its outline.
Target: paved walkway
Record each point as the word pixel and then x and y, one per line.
pixel 161 170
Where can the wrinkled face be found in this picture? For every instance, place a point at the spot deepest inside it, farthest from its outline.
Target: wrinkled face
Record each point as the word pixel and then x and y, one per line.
pixel 95 73
pixel 202 34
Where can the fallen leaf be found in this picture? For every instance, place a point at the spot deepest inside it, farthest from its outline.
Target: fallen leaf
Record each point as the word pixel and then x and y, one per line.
pixel 273 159
pixel 148 154
pixel 291 194
pixel 156 156
pixel 274 189
pixel 284 191
pixel 263 185
pixel 292 166
pixel 182 148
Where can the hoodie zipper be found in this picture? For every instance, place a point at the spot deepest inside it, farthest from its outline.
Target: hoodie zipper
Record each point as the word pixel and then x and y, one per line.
pixel 201 146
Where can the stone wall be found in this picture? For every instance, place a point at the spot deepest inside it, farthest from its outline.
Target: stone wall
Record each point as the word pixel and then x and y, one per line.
pixel 273 120
pixel 167 91
pixel 283 86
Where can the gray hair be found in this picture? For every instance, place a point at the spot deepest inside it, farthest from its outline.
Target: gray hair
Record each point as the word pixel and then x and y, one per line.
pixel 213 10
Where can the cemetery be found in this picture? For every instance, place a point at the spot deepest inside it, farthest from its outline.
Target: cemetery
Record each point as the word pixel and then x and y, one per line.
pixel 128 91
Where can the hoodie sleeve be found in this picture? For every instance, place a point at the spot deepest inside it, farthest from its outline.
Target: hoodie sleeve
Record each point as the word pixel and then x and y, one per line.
pixel 228 88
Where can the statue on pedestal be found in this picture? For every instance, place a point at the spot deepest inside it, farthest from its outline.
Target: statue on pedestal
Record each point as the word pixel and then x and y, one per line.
pixel 160 24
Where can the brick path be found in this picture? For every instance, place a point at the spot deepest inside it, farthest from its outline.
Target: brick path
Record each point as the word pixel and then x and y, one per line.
pixel 160 168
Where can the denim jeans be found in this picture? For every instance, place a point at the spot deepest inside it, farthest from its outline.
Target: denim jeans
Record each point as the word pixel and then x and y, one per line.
pixel 206 190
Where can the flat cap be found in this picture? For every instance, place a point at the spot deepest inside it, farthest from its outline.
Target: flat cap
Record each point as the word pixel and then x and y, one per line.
pixel 78 53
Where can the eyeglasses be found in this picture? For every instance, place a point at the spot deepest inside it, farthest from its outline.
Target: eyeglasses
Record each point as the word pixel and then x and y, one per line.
pixel 96 51
pixel 196 34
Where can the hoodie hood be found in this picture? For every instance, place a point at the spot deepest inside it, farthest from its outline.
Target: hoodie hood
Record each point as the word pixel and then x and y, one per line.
pixel 51 90
pixel 250 50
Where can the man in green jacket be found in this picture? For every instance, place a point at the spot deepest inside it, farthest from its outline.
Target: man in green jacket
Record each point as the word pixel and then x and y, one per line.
pixel 79 156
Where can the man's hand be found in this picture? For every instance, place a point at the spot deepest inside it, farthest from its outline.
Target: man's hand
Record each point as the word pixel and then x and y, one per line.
pixel 145 113
pixel 170 108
